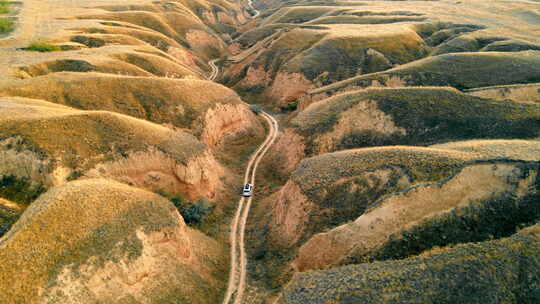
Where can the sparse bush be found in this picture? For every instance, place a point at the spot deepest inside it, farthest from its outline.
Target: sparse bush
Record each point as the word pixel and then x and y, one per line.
pixel 42 46
pixel 291 106
pixel 21 190
pixel 24 174
pixel 193 213
pixel 6 25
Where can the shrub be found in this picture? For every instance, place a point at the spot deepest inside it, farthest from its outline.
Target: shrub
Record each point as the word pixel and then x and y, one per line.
pixel 6 25
pixel 20 190
pixel 289 107
pixel 42 46
pixel 193 213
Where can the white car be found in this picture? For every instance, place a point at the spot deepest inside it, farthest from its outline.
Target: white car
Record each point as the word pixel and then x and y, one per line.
pixel 247 190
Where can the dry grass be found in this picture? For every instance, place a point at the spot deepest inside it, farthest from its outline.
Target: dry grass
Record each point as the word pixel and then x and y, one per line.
pixel 81 231
pixel 425 164
pixel 480 195
pixel 459 70
pixel 101 144
pixel 411 116
pixel 507 149
pixel 177 24
pixel 399 37
pixel 83 138
pixel 519 93
pixel 134 59
pixel 485 272
pixel 299 14
pixel 177 101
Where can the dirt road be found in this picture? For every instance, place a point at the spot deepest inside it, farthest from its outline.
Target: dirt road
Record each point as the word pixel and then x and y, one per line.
pixel 237 274
pixel 215 69
pixel 256 12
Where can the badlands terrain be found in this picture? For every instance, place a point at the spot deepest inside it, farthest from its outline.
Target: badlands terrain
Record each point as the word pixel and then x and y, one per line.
pixel 394 147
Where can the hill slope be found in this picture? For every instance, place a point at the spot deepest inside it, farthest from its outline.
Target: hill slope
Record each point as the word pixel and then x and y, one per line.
pixel 100 143
pixel 101 241
pixel 488 272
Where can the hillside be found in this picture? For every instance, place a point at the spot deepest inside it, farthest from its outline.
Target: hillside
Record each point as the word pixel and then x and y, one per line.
pixel 490 69
pixel 392 202
pixel 183 103
pixel 400 116
pixel 98 144
pixel 392 148
pixel 9 214
pixel 318 47
pixel 482 201
pixel 487 272
pixel 101 241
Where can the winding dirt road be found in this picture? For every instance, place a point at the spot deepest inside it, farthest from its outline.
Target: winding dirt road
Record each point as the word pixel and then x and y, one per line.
pixel 215 69
pixel 256 12
pixel 237 274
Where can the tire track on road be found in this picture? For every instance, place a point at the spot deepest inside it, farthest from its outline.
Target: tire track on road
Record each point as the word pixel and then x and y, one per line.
pixel 215 69
pixel 237 238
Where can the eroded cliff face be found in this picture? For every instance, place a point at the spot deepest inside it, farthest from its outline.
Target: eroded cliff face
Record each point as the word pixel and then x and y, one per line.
pixel 287 87
pixel 297 215
pixel 291 211
pixel 364 117
pixel 229 120
pixel 467 196
pixel 199 176
pixel 287 152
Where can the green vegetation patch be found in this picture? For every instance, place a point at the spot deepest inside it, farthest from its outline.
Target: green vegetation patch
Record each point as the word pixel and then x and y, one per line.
pixel 6 25
pixel 193 212
pixel 4 7
pixel 43 47
pixel 9 214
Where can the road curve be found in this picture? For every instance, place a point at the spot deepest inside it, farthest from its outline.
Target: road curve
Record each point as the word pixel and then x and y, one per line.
pixel 256 12
pixel 215 69
pixel 238 266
